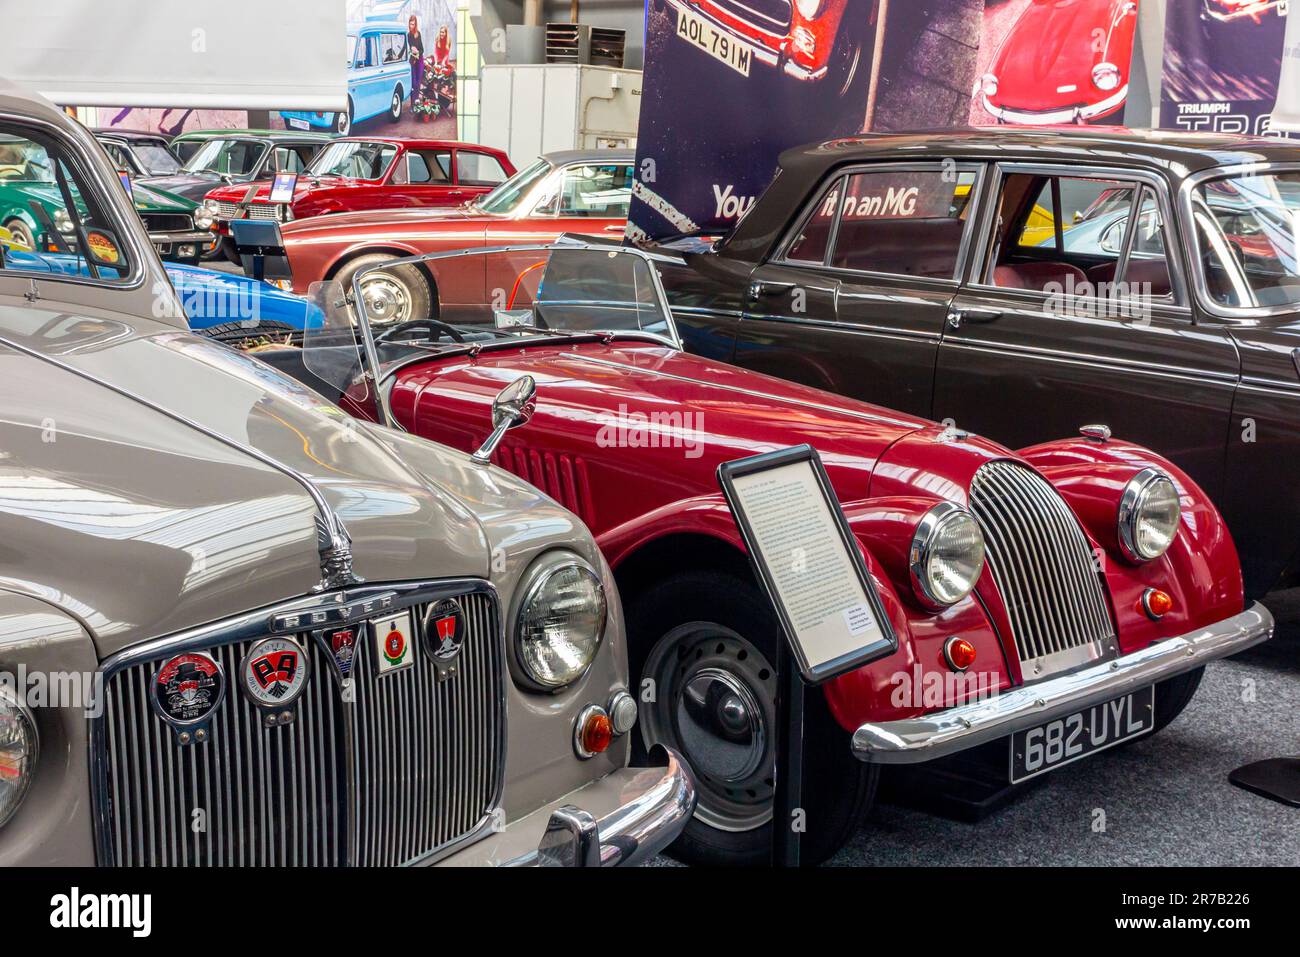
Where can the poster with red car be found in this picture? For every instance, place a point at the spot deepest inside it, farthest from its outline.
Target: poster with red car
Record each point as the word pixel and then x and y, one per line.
pixel 729 84
pixel 1051 62
pixel 1222 62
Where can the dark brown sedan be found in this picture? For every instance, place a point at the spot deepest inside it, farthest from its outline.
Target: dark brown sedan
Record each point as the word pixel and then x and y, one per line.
pixel 995 279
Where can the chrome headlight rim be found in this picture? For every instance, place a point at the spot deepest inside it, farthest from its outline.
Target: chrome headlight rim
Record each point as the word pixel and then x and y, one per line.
pixel 1137 493
pixel 536 579
pixel 815 6
pixel 989 84
pixel 204 217
pixel 1107 72
pixel 9 702
pixel 924 539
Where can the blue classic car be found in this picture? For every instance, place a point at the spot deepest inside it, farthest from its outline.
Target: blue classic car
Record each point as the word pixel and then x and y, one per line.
pixel 379 78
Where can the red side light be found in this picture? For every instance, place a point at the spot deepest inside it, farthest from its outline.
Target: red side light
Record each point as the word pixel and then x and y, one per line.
pixel 959 653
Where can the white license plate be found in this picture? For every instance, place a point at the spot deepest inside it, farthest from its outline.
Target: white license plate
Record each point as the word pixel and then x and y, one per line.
pixel 296 124
pixel 1036 751
pixel 699 32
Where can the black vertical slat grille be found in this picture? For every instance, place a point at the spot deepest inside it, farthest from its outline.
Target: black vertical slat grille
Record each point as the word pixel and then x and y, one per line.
pixel 1040 560
pixel 420 769
pixel 766 14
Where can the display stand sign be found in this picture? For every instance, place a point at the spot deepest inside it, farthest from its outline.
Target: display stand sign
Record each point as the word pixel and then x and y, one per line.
pixel 811 568
pixel 282 187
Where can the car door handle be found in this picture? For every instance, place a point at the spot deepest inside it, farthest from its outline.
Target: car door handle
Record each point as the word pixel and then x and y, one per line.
pixel 957 316
pixel 616 228
pixel 765 287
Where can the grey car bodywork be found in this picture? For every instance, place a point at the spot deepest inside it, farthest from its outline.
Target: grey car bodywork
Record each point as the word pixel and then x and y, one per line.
pixel 149 488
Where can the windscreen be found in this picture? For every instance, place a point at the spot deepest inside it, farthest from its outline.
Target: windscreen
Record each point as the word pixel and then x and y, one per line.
pixel 1248 230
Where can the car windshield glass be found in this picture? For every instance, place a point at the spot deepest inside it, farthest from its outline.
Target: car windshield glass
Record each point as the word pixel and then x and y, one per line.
pixel 1248 231
pixel 506 197
pixel 156 159
pixel 352 50
pixel 25 161
pixel 353 160
pixel 231 157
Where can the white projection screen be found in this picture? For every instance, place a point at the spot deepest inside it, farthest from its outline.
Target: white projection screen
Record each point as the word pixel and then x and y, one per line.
pixel 1286 111
pixel 214 54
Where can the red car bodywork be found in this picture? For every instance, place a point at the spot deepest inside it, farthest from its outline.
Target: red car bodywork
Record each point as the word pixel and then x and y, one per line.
pixel 316 196
pixel 650 503
pixel 1043 72
pixel 799 45
pixel 318 248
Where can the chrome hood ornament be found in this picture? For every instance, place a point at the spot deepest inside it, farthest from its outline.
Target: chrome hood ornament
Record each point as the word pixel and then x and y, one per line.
pixel 335 547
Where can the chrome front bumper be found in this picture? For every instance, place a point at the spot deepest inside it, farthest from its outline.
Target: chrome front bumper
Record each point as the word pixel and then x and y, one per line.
pixel 1074 114
pixel 914 740
pixel 642 810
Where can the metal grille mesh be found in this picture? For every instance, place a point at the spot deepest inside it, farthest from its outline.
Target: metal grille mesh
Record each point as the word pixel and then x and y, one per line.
pixel 1041 561
pixel 168 222
pixel 424 756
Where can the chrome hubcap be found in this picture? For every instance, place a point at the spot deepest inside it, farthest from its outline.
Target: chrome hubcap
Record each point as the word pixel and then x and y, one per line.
pixel 386 299
pixel 715 702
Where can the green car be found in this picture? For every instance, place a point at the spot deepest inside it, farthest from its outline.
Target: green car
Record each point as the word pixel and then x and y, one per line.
pixel 33 210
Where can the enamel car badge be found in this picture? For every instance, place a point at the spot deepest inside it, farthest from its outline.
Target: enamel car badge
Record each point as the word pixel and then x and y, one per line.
pixel 188 689
pixel 393 642
pixel 342 645
pixel 274 673
pixel 444 633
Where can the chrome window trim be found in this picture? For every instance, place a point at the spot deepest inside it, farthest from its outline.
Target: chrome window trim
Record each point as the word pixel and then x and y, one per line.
pixel 110 197
pixel 840 177
pixel 256 623
pixel 1203 297
pixel 980 267
pixel 528 206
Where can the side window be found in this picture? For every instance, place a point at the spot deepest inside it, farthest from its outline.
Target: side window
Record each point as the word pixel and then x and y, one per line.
pixel 394 45
pixel 368 52
pixel 478 169
pixel 813 241
pixel 119 157
pixel 50 222
pixel 287 160
pixel 904 222
pixel 590 191
pixel 429 167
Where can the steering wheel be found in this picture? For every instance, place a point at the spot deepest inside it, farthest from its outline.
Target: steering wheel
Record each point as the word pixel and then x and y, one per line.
pixel 436 326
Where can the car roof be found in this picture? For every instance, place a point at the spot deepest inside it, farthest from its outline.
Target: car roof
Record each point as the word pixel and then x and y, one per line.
pixel 380 26
pixel 276 136
pixel 128 134
pixel 565 157
pixel 413 144
pixel 1176 150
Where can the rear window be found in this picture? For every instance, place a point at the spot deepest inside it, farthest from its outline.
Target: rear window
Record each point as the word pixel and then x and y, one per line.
pixel 478 169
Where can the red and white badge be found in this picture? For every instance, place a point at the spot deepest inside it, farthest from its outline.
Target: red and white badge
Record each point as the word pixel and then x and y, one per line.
pixel 274 672
pixel 394 641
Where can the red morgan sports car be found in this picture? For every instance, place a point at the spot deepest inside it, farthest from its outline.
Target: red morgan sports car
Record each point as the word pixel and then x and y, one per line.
pixel 578 191
pixel 1062 61
pixel 366 173
pixel 1049 602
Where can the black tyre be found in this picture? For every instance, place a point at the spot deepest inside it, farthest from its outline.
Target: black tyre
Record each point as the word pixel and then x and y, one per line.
pixel 706 639
pixel 395 108
pixel 231 332
pixel 1174 694
pixel 396 294
pixel 21 233
pixel 230 251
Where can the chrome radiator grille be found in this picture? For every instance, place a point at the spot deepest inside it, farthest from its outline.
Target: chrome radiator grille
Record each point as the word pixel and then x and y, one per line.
pixel 1040 560
pixel 767 14
pixel 228 210
pixel 262 210
pixel 408 767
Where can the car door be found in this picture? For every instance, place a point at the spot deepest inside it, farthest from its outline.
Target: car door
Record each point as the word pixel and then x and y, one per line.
pixel 855 299
pixel 1070 317
pixel 366 83
pixel 420 178
pixel 476 173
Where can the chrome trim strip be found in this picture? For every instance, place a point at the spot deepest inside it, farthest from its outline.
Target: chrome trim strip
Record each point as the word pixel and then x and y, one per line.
pixel 1055 355
pixel 347 722
pixel 914 740
pixel 1070 114
pixel 859 328
pixel 628 836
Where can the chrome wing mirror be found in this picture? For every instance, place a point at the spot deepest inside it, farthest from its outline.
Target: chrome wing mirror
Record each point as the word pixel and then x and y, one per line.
pixel 513 406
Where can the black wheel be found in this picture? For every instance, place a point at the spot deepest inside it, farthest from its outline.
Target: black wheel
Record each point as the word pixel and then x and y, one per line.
pixel 343 121
pixel 706 640
pixel 230 332
pixel 848 75
pixel 21 233
pixel 1175 694
pixel 395 108
pixel 230 251
pixel 396 294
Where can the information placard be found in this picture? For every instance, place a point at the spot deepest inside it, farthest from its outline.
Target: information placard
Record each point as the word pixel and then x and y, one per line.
pixel 808 561
pixel 282 187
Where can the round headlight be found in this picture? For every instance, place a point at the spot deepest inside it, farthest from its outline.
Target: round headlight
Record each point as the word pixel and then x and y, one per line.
pixel 62 221
pixel 947 555
pixel 808 8
pixel 204 217
pixel 18 748
pixel 1148 515
pixel 989 84
pixel 561 621
pixel 1105 77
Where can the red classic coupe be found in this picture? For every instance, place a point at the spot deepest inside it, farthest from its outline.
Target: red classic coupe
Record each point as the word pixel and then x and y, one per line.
pixel 1062 61
pixel 1049 602
pixel 368 173
pixel 576 191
